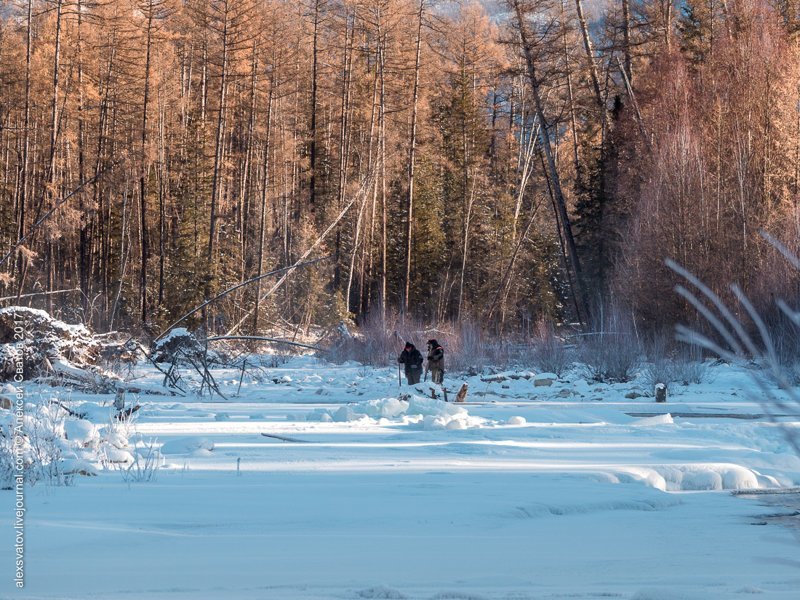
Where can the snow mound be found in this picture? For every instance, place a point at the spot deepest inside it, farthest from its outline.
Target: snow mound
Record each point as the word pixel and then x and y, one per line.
pixel 540 376
pixel 425 413
pixel 516 421
pixel 187 445
pixel 381 592
pixel 650 504
pixel 665 419
pixel 664 594
pixel 77 466
pixel 80 431
pixel 698 477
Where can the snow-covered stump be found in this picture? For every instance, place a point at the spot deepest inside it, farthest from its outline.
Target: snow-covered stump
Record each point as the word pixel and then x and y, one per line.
pixel 660 392
pixel 177 345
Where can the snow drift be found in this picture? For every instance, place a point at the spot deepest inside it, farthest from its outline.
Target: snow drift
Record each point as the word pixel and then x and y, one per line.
pixel 424 413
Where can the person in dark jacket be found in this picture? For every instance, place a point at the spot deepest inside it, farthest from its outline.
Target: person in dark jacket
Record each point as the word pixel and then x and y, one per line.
pixel 412 359
pixel 436 361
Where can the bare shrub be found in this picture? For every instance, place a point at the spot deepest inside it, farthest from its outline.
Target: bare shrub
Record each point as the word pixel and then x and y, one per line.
pixel 468 348
pixel 7 467
pixel 612 353
pixel 689 366
pixel 659 366
pixel 144 466
pixel 785 336
pixel 672 365
pixel 375 343
pixel 549 353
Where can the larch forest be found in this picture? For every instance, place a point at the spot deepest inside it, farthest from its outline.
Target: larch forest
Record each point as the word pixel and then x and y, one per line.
pixel 504 163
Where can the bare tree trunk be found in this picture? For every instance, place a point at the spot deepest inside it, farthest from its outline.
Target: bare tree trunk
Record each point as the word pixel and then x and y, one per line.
pixel 666 7
pixel 265 178
pixel 366 255
pixel 143 173
pixel 344 145
pixel 163 186
pixel 244 208
pixel 312 154
pixel 25 146
pixel 218 146
pixel 51 179
pixel 573 120
pixel 412 160
pixel 382 158
pixel 84 239
pixel 468 194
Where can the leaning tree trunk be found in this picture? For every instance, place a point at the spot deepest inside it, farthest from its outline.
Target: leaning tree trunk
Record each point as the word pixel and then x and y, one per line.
pixel 555 180
pixel 587 46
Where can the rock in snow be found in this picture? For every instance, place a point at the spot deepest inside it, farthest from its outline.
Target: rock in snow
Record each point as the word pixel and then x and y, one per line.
pixel 544 379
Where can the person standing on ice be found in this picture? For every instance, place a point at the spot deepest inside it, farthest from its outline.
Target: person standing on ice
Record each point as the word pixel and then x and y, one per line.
pixel 412 359
pixel 436 361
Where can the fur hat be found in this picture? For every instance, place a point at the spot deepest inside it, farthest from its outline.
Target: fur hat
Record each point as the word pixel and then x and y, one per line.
pixel 408 346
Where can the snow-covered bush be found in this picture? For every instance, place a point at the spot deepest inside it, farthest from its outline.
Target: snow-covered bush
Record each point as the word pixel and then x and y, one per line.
pixel 55 445
pixel 42 445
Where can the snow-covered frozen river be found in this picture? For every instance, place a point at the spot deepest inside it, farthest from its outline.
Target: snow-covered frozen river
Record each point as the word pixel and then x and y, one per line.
pixel 525 492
